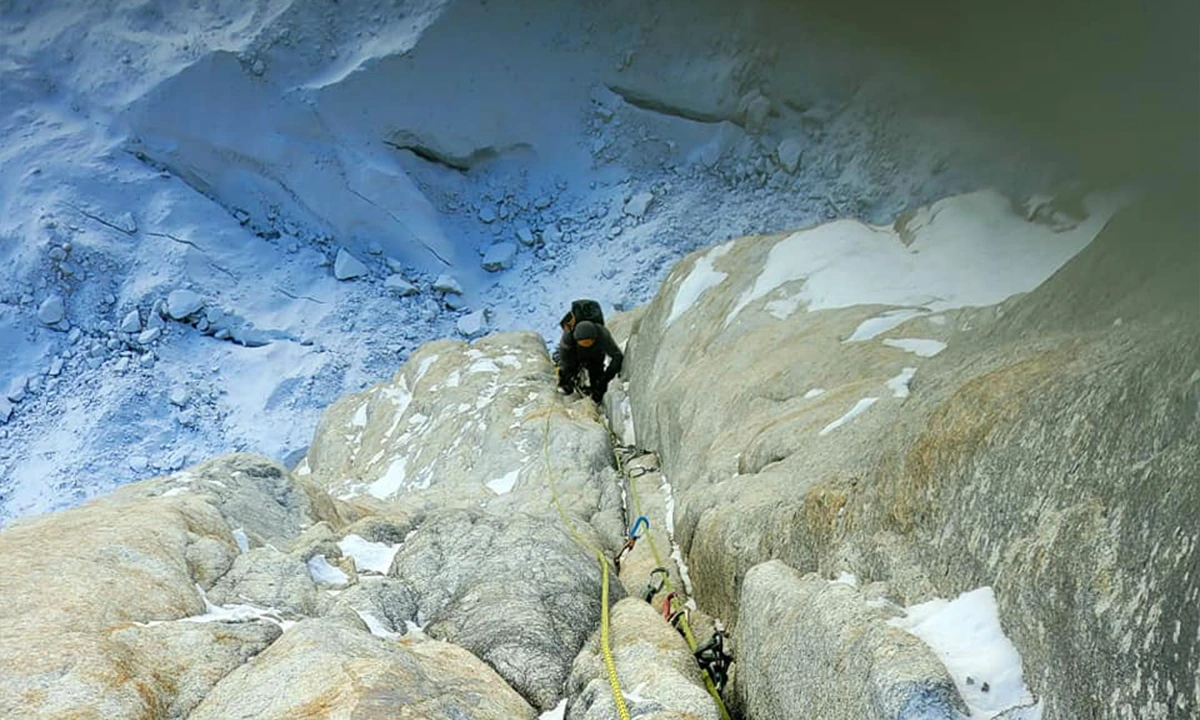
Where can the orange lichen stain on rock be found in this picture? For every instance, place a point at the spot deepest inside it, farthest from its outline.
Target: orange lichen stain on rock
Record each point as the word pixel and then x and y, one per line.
pixel 958 429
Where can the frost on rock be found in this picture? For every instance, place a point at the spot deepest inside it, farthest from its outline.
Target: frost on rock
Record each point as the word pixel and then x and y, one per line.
pixel 182 304
pixel 132 322
pixel 639 204
pixel 472 324
pixel 52 310
pixel 789 152
pixel 447 283
pixel 499 256
pixel 397 285
pixel 347 267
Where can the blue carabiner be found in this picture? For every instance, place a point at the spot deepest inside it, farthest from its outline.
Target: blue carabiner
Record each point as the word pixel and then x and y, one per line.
pixel 641 520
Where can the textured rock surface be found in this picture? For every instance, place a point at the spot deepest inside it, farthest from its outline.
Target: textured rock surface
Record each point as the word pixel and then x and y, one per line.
pixel 75 584
pixel 517 591
pixel 852 663
pixel 455 425
pixel 461 455
pixel 658 674
pixel 268 578
pixel 1048 452
pixel 333 669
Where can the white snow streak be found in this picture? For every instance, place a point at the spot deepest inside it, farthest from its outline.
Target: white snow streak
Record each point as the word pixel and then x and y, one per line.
pixel 854 412
pixel 899 384
pixel 918 346
pixel 701 278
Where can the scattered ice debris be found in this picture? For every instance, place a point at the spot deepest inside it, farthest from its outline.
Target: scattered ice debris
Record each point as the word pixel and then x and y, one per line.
pixel 52 310
pixel 182 304
pixel 397 285
pixel 6 410
pixel 899 384
pixel 322 572
pixel 240 537
pixel 502 485
pixel 872 327
pixel 132 322
pixel 448 284
pixel 179 396
pixel 789 152
pixel 702 277
pixel 639 204
pixel 855 411
pixel 347 267
pixel 965 633
pixel 16 388
pixel 815 392
pixel 918 346
pixel 139 463
pixel 371 556
pixel 499 256
pixel 472 324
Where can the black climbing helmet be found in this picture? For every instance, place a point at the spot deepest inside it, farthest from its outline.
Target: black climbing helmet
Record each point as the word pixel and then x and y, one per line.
pixel 586 333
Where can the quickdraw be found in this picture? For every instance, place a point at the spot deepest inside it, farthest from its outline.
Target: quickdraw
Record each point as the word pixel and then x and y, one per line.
pixel 713 658
pixel 652 589
pixel 642 522
pixel 679 619
pixel 631 539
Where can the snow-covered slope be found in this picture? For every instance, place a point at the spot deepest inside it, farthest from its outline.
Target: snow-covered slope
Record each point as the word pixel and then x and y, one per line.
pixel 237 149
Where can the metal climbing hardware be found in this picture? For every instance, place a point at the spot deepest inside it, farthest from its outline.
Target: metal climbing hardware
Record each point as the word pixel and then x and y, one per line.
pixel 631 539
pixel 652 587
pixel 713 657
pixel 667 606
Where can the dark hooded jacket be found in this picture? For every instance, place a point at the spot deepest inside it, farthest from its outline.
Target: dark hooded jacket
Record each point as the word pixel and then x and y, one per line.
pixel 572 357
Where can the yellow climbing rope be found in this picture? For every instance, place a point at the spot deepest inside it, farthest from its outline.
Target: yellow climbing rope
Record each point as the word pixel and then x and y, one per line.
pixel 667 584
pixel 609 665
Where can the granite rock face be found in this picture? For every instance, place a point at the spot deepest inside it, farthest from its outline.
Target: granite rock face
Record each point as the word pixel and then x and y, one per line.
pixel 329 668
pixel 100 590
pixel 1044 446
pixel 655 667
pixel 853 664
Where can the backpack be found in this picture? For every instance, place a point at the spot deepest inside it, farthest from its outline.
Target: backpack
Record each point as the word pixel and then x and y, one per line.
pixel 582 310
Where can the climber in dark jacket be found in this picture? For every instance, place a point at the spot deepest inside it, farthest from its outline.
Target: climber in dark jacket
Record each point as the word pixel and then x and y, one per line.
pixel 586 347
